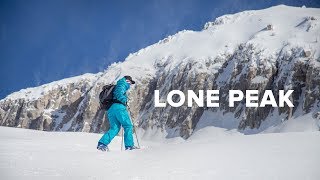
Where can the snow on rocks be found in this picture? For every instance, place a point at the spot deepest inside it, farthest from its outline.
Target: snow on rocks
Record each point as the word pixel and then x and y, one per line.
pixel 232 52
pixel 36 92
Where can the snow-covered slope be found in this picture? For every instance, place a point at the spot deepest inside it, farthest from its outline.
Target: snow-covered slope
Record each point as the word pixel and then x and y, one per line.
pixel 27 154
pixel 275 48
pixel 292 27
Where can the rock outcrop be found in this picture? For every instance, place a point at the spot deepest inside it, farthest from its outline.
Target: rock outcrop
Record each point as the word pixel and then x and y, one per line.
pixel 259 59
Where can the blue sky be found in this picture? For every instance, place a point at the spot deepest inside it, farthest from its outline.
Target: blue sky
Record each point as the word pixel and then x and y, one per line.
pixel 43 41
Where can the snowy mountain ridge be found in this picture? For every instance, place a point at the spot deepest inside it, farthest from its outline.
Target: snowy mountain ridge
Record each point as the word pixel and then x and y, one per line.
pixel 275 48
pixel 149 63
pixel 34 93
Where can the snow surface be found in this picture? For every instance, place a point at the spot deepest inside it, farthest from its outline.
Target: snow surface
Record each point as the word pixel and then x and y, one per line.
pixel 28 154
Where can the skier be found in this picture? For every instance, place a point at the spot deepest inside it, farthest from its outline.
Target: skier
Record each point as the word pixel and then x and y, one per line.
pixel 118 116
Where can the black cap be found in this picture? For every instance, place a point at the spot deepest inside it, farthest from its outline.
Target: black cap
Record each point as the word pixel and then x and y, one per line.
pixel 130 79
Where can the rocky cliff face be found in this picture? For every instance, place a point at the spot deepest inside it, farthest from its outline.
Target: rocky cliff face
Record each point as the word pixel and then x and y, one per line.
pixel 241 51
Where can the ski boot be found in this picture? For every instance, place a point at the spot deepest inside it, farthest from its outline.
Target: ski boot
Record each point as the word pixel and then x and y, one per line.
pixel 102 147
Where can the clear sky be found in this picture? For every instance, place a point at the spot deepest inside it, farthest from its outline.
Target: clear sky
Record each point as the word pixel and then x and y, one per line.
pixel 43 41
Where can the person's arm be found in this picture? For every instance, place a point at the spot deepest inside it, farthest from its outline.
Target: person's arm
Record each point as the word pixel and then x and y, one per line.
pixel 120 92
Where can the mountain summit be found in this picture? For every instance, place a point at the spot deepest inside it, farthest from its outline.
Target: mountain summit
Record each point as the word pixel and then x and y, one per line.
pixel 271 49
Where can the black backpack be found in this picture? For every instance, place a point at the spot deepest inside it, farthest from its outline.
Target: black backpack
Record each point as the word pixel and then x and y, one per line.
pixel 106 96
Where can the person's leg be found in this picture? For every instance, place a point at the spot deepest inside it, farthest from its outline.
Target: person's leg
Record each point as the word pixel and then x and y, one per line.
pixel 113 131
pixel 124 119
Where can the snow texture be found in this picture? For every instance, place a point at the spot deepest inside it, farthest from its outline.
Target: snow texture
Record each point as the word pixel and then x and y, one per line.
pixel 211 153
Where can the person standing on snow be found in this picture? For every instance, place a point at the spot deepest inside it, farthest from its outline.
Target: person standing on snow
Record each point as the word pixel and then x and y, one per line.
pixel 118 116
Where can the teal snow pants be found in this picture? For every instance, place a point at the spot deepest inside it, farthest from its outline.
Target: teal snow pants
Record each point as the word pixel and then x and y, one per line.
pixel 118 116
